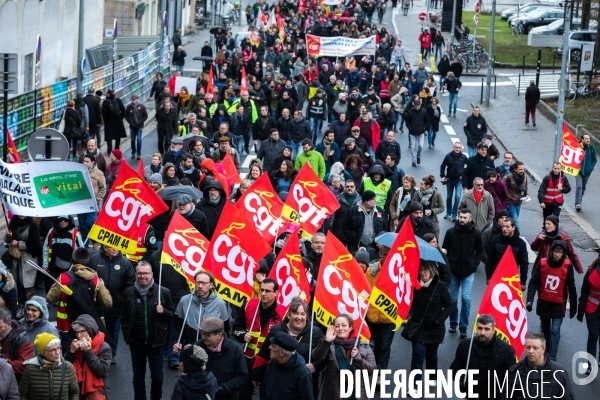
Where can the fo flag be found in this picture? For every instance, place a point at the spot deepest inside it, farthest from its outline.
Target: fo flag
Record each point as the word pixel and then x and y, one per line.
pixel 289 273
pixel 261 205
pixel 233 255
pixel 342 287
pixel 130 204
pixel 503 299
pixel 393 290
pixel 229 169
pixel 184 248
pixel 571 153
pixel 309 201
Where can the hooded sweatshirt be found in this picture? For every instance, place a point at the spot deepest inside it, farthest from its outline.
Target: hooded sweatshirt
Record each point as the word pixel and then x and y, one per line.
pixel 199 310
pixel 194 386
pixel 209 164
pixel 34 328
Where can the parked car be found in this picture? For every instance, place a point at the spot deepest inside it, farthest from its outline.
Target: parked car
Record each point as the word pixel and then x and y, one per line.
pixel 539 18
pixel 556 28
pixel 511 12
pixel 576 40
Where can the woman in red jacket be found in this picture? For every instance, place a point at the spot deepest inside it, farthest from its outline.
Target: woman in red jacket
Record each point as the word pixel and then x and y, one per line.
pixel 588 305
pixel 543 242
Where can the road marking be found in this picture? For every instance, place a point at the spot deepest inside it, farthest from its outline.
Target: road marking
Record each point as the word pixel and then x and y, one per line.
pixel 449 129
pixel 444 119
pixel 247 160
pixel 454 140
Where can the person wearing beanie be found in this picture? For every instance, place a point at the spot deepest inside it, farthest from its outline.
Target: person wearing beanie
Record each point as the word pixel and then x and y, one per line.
pixel 543 242
pixel 421 223
pixel 112 169
pixel 35 320
pixel 59 245
pixel 91 356
pixel 364 222
pixel 14 345
pixel 100 297
pixel 362 258
pixel 8 290
pixel 495 230
pixel 195 380
pixel 49 375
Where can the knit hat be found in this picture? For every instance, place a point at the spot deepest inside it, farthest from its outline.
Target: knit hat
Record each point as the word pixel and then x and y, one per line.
pixel 118 153
pixel 81 255
pixel 212 325
pixel 349 140
pixel 194 358
pixel 184 199
pixel 285 341
pixel 287 146
pixel 368 195
pixel 416 206
pixel 552 219
pixel 45 340
pixel 35 303
pixel 156 178
pixel 362 256
pixel 500 214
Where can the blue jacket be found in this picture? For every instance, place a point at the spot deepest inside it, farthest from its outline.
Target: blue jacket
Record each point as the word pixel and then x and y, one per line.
pixel 353 79
pixel 298 381
pixel 329 160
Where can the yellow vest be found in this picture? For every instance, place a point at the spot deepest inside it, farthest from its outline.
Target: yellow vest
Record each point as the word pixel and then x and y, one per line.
pixel 380 190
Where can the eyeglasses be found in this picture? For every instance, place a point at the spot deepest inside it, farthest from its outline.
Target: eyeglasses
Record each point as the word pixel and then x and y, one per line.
pixel 143 273
pixel 79 332
pixel 349 187
pixel 478 184
pixel 202 283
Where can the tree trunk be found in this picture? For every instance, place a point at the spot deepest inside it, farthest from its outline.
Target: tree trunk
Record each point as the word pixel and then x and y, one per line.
pixel 586 8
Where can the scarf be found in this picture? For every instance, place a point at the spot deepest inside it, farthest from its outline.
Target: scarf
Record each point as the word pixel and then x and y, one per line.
pixel 425 196
pixel 350 199
pixel 326 148
pixel 217 349
pixel 144 292
pixel 156 169
pixel 215 201
pixel 187 171
pixel 187 214
pixel 45 364
pixel 347 344
pixel 184 98
pixel 89 382
pixel 552 234
pixel 425 284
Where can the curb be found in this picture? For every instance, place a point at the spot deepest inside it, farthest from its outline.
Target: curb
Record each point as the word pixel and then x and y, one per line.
pixel 581 222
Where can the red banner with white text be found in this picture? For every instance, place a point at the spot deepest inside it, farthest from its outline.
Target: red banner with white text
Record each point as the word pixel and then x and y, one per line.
pixel 393 290
pixel 233 255
pixel 503 299
pixel 130 204
pixel 289 273
pixel 184 248
pixel 342 287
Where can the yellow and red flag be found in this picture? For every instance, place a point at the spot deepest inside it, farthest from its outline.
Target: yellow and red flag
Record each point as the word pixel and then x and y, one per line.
pixel 244 81
pixel 184 248
pixel 342 287
pixel 229 169
pixel 309 201
pixel 13 154
pixel 233 255
pixel 129 205
pixel 289 273
pixel 393 290
pixel 571 153
pixel 254 38
pixel 261 205
pixel 503 299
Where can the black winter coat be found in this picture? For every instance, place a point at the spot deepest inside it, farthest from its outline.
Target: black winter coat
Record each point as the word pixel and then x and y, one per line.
pixel 457 68
pixel 532 94
pixel 433 119
pixel 171 279
pixel 157 88
pixel 386 121
pixel 339 216
pixel 496 355
pixel 476 167
pixel 118 275
pixel 8 293
pixel 424 227
pixel 197 218
pixel 167 123
pixel 497 249
pixel 284 127
pixel 475 128
pixel 94 112
pixel 556 383
pixel 433 326
pixel 417 121
pixel 260 130
pixel 451 168
pixel 384 148
pixel 464 249
pixel 300 130
pixel 212 211
pixel 229 367
pixel 341 132
pixel 113 127
pixel 157 323
pixel 354 224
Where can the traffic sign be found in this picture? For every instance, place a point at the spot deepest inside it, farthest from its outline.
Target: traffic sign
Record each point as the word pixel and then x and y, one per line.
pixel 477 7
pixel 476 20
pixel 48 144
pixel 422 16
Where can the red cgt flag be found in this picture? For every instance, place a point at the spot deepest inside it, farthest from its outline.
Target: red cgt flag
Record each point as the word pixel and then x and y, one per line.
pixel 210 87
pixel 141 168
pixel 13 154
pixel 233 255
pixel 309 201
pixel 289 273
pixel 503 299
pixel 342 287
pixel 229 169
pixel 393 290
pixel 130 204
pixel 184 248
pixel 263 206
pixel 571 153
pixel 244 81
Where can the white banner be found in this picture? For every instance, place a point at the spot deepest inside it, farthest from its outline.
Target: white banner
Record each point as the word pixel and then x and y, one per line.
pixel 340 46
pixel 47 189
pixel 189 83
pixel 332 2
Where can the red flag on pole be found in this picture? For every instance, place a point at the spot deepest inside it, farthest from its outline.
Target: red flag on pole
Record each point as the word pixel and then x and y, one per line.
pixel 571 152
pixel 244 82
pixel 289 273
pixel 393 291
pixel 141 168
pixel 210 88
pixel 503 299
pixel 13 154
pixel 229 169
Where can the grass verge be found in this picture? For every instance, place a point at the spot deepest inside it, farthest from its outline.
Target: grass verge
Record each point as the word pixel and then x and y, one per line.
pixel 581 112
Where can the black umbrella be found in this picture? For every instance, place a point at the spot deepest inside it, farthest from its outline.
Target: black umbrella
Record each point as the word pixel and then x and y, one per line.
pixel 203 58
pixel 216 30
pixel 173 192
pixel 187 139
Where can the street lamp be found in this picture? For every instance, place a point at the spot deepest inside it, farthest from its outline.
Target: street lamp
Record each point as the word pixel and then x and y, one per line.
pixel 563 85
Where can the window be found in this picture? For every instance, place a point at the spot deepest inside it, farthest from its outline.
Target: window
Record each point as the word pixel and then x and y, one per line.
pixel 577 36
pixel 28 73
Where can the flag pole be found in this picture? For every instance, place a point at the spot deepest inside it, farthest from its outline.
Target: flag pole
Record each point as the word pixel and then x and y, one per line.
pixel 184 319
pixel 312 326
pixel 277 234
pixel 64 288
pixel 469 357
pixel 362 323
pixel 250 331
pixel 160 280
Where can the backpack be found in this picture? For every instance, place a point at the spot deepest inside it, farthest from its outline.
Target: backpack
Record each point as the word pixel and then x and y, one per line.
pixel 83 299
pixel 115 110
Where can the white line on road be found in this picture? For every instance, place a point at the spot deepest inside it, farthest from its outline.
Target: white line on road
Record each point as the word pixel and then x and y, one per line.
pixel 454 140
pixel 444 119
pixel 449 129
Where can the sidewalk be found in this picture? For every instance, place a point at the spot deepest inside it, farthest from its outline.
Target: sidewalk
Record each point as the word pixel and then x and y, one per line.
pixel 535 147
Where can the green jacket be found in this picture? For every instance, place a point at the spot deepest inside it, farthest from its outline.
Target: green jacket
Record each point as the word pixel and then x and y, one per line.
pixel 40 383
pixel 314 159
pixel 589 161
